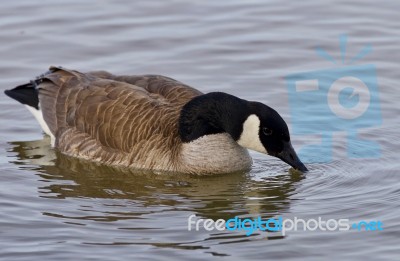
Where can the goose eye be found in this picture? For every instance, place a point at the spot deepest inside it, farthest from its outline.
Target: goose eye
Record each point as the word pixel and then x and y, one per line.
pixel 267 131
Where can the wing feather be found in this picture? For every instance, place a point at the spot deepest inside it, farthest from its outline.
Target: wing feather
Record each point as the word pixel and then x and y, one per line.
pixel 126 120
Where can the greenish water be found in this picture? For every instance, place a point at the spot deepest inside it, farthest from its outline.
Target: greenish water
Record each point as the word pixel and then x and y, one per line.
pixel 56 207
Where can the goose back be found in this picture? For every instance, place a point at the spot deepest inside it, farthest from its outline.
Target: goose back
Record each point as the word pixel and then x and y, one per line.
pixel 119 120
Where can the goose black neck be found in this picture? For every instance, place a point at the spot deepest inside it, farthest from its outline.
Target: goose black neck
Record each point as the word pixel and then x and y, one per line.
pixel 213 113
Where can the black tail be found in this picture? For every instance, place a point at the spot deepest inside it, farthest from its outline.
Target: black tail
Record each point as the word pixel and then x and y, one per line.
pixel 25 94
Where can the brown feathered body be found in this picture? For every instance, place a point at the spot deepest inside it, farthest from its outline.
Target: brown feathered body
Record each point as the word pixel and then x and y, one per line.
pixel 130 121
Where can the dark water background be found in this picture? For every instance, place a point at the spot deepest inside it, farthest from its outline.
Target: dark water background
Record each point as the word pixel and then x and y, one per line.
pixel 54 207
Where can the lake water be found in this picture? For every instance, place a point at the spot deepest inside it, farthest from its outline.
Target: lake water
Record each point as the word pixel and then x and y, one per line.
pixel 55 207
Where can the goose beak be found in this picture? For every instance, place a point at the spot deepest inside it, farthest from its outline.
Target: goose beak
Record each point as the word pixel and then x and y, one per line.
pixel 289 156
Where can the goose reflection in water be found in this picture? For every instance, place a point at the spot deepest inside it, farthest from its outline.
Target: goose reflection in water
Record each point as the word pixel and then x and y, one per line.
pixel 133 194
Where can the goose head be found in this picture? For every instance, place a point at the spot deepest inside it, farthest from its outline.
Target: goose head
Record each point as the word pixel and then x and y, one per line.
pixel 265 131
pixel 252 125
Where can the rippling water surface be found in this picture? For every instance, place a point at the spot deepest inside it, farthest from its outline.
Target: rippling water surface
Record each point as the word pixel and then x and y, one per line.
pixel 56 207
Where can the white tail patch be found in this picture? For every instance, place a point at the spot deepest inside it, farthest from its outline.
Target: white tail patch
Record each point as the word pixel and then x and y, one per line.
pixel 250 137
pixel 39 117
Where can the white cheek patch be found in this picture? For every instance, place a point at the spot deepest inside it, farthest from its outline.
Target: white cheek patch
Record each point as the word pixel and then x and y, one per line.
pixel 250 135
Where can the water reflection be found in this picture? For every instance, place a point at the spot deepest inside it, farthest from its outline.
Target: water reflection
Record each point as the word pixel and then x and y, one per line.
pixel 223 196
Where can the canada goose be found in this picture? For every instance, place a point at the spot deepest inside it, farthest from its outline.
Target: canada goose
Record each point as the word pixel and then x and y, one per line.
pixel 153 122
